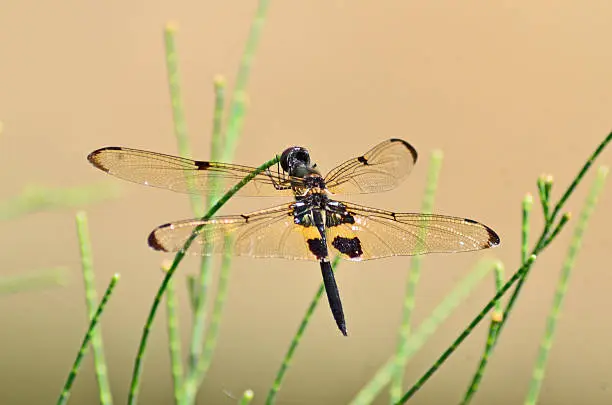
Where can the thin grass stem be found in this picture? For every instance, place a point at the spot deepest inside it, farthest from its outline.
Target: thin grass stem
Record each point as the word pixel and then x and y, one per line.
pixel 562 222
pixel 65 394
pixel 217 141
pixel 237 104
pixel 467 331
pixel 213 334
pixel 280 375
pixel 29 282
pixel 417 339
pixel 178 114
pixel 192 291
pixel 544 240
pixel 527 204
pixel 91 300
pixel 174 338
pixel 230 140
pixel 37 198
pixel 396 388
pixel 544 186
pixel 136 375
pixel 583 171
pixel 562 287
pixel 493 329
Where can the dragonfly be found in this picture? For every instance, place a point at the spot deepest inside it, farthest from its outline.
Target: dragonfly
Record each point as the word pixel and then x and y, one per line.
pixel 314 225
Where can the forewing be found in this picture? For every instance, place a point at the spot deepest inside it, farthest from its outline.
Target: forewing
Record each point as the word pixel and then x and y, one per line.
pixel 369 233
pixel 188 176
pixel 267 233
pixel 380 169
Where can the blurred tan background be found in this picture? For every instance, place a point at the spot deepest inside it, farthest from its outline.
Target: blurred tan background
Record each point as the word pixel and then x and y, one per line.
pixel 508 90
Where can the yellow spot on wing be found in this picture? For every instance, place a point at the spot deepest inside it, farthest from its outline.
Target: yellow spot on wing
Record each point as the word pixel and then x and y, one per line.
pixel 310 232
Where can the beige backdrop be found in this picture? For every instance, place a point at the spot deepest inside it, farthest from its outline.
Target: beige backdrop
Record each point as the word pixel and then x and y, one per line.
pixel 508 90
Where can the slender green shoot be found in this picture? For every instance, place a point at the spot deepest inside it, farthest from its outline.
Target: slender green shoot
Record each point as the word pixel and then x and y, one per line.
pixel 38 198
pixel 562 286
pixel 31 282
pixel 65 394
pixel 417 339
pixel 192 291
pixel 544 186
pixel 546 237
pixel 396 388
pixel 178 114
pixel 174 337
pixel 136 375
pixel 238 102
pixel 467 331
pixel 197 364
pixel 247 397
pixel 217 144
pixel 527 204
pixel 230 140
pixel 197 203
pixel 280 375
pixel 213 334
pixel 91 299
pixel 496 318
pixel 562 222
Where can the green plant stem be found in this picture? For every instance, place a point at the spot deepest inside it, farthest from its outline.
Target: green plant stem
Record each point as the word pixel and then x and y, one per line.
pixel 198 364
pixel 217 142
pixel 417 339
pixel 544 186
pixel 178 115
pixel 247 397
pixel 527 204
pixel 35 281
pixel 544 240
pixel 401 358
pixel 230 139
pixel 562 222
pixel 280 375
pixel 237 105
pixel 174 338
pixel 191 291
pixel 91 299
pixel 211 338
pixel 467 331
pixel 135 385
pixel 38 198
pixel 562 286
pixel 493 329
pixel 65 394
pixel 519 277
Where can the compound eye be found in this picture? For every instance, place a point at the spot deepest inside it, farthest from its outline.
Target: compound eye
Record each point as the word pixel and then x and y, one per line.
pixel 293 156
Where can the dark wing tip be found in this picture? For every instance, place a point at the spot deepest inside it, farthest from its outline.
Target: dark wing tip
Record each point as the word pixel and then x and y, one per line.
pixel 410 148
pixel 94 157
pixel 154 242
pixel 493 237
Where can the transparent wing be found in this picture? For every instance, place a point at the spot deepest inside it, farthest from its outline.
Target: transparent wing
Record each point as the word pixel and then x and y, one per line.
pixel 381 169
pixel 189 176
pixel 369 233
pixel 265 233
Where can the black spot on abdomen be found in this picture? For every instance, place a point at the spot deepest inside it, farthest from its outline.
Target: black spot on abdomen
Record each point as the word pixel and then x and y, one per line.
pixel 348 246
pixel 316 247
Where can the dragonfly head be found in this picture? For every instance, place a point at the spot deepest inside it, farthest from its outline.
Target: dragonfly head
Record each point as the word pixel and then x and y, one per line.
pixel 295 160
